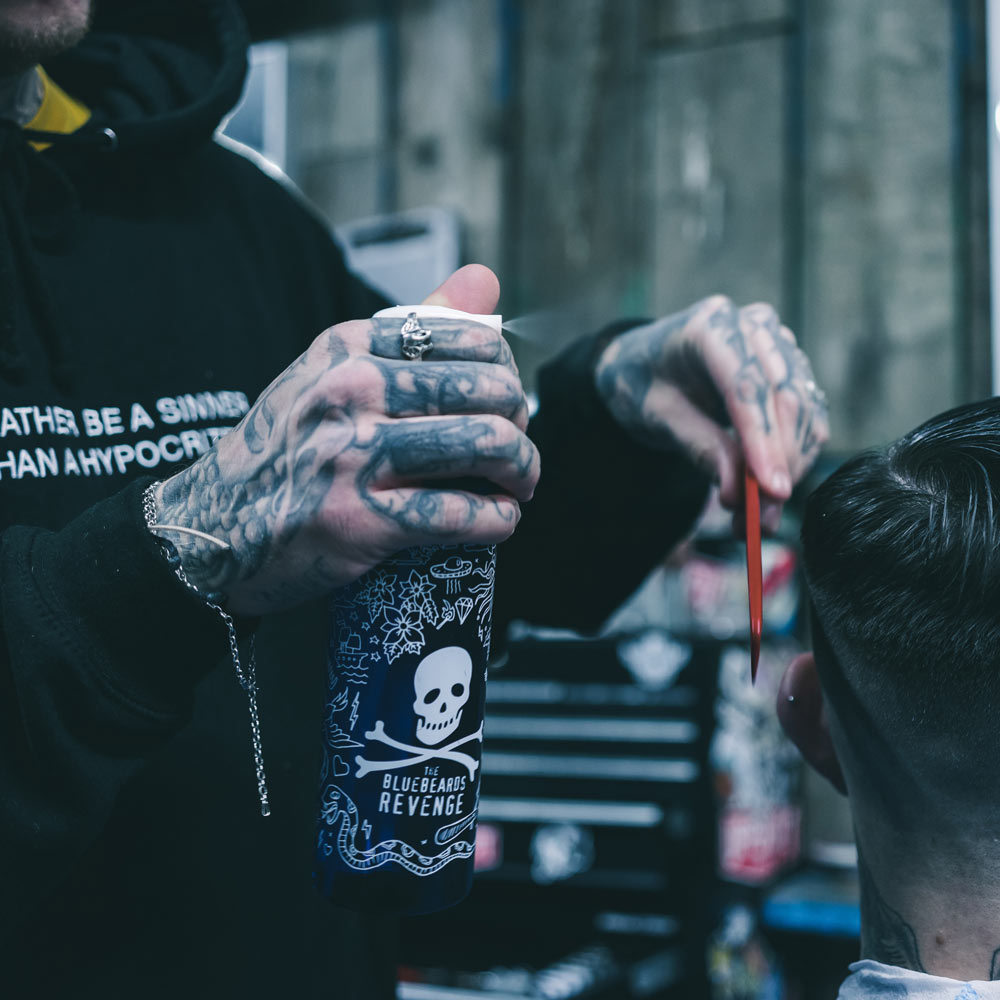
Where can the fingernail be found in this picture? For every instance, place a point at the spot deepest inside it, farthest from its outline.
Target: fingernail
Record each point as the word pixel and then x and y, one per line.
pixel 781 483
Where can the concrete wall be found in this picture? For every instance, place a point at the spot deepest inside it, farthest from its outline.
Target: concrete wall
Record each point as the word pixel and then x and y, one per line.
pixel 629 156
pixel 401 114
pixel 879 276
pixel 339 96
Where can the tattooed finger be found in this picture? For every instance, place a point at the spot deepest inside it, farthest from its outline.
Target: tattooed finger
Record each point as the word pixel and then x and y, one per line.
pixel 748 393
pixel 800 406
pixel 786 334
pixel 760 316
pixel 801 366
pixel 446 515
pixel 812 426
pixel 428 448
pixel 428 389
pixel 453 341
pixel 763 328
pixel 816 431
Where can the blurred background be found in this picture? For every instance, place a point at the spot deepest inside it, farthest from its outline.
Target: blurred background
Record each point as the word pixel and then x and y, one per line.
pixel 646 830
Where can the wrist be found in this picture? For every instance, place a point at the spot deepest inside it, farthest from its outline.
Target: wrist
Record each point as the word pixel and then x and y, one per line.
pixel 204 562
pixel 197 540
pixel 622 373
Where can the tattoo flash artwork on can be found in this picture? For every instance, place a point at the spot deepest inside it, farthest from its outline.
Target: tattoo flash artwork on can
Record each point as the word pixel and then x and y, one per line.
pixel 403 730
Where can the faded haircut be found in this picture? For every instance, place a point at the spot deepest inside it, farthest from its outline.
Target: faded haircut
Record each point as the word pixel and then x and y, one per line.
pixel 902 557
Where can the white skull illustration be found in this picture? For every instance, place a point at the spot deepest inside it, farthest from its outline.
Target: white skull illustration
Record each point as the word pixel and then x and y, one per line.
pixel 441 684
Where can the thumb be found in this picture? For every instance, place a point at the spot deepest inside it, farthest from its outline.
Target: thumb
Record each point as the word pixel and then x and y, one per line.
pixel 473 289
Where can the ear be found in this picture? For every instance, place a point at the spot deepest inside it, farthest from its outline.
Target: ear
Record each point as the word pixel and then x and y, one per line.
pixel 802 714
pixel 473 289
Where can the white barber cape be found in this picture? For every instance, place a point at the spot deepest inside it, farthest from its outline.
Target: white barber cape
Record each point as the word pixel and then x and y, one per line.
pixel 874 981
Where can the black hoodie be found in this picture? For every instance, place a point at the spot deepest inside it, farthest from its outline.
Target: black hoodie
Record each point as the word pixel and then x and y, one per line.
pixel 152 282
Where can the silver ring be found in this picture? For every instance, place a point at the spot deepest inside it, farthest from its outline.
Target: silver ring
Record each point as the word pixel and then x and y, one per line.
pixel 416 340
pixel 815 393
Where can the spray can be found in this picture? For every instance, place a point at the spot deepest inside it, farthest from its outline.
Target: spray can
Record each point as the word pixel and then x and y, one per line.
pixel 403 729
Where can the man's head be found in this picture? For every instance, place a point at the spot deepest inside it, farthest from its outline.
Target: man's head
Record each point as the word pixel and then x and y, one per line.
pixel 902 557
pixel 32 31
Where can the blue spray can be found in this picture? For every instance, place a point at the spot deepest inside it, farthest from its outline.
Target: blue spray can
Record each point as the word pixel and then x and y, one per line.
pixel 403 730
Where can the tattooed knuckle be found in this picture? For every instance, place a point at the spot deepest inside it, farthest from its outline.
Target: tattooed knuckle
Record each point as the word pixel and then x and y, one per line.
pixel 490 339
pixel 736 395
pixel 716 303
pixel 478 338
pixel 489 345
pixel 762 313
pixel 325 458
pixel 511 397
pixel 344 385
pixel 507 358
pixel 481 432
pixel 330 391
pixel 789 404
pixel 452 514
pixel 513 381
pixel 533 463
pixel 367 384
pixel 355 332
pixel 518 412
pixel 502 434
pixel 319 350
pixel 331 342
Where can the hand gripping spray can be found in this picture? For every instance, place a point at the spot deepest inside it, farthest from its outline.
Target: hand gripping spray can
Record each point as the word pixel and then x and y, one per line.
pixel 403 727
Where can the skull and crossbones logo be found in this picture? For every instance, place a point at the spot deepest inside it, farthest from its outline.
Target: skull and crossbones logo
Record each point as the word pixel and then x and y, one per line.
pixel 441 688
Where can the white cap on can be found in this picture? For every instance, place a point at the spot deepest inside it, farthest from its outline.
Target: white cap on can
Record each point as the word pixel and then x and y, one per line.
pixel 440 312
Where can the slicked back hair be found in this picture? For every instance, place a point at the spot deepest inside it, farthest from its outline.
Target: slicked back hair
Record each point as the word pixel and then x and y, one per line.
pixel 902 555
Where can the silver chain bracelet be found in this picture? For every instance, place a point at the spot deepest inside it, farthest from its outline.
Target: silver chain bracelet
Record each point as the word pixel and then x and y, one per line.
pixel 248 677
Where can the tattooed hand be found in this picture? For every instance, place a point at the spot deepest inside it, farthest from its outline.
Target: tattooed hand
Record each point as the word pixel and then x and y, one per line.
pixel 689 377
pixel 353 453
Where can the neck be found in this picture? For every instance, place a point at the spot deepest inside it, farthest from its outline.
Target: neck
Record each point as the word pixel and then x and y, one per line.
pixel 21 95
pixel 931 914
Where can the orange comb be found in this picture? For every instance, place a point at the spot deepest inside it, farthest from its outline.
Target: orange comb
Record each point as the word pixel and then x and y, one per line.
pixel 755 583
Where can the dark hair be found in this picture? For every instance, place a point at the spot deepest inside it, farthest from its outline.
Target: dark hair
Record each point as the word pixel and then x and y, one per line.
pixel 902 556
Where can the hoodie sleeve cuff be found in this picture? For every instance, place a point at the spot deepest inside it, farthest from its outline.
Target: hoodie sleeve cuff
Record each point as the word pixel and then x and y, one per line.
pixel 124 609
pixel 606 510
